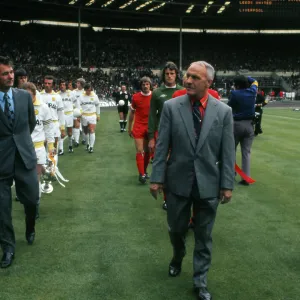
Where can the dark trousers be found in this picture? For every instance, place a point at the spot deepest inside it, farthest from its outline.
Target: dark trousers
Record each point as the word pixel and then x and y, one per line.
pixel 27 188
pixel 258 128
pixel 179 212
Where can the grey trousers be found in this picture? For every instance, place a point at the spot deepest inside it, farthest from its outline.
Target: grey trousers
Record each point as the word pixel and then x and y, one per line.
pixel 244 135
pixel 179 212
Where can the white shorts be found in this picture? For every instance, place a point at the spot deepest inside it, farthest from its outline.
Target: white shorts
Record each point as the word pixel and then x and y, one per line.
pixel 86 120
pixel 56 129
pixel 69 120
pixel 41 155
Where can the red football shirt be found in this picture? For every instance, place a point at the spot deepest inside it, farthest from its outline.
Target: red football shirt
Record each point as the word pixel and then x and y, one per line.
pixel 141 104
pixel 183 92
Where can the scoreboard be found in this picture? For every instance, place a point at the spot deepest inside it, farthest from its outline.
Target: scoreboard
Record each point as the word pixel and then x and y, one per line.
pixel 280 8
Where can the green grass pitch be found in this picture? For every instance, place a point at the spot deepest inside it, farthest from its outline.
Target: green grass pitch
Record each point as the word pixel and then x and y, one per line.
pixel 104 237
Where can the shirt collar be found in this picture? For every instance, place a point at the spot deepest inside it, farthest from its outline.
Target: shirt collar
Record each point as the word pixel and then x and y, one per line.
pixel 203 100
pixel 37 101
pixel 146 94
pixel 9 93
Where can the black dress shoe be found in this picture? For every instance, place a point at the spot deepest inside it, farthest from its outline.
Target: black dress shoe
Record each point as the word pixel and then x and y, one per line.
pixel 30 237
pixel 244 182
pixel 7 259
pixel 174 268
pixel 202 293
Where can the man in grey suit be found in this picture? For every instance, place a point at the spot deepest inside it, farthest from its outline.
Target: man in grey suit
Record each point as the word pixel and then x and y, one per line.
pixel 199 171
pixel 17 160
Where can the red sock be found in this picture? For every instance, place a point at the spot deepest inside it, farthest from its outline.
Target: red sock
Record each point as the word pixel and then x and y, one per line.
pixel 146 160
pixel 140 163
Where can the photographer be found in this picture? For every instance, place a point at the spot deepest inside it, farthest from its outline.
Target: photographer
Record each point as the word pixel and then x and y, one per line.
pixel 242 101
pixel 259 104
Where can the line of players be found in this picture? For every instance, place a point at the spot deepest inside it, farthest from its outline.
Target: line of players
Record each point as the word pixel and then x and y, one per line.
pixel 56 111
pixel 62 105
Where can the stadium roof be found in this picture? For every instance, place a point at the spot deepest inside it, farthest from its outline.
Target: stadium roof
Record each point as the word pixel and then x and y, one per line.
pixel 202 14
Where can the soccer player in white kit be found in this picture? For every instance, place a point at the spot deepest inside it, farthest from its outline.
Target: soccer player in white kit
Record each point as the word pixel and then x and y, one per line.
pixel 90 106
pixel 69 100
pixel 80 82
pixel 54 102
pixel 43 131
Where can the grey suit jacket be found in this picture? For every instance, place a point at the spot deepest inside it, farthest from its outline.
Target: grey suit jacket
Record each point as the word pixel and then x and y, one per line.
pixel 18 136
pixel 211 160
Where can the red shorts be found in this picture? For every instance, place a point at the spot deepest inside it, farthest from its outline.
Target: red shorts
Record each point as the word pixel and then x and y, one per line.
pixel 140 131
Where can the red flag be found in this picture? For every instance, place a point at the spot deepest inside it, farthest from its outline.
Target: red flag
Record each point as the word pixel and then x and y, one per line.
pixel 243 175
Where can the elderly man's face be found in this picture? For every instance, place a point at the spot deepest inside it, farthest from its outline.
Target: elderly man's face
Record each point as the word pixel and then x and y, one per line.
pixel 196 82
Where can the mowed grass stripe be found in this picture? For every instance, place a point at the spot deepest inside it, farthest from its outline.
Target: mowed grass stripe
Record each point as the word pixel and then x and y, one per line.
pixel 104 237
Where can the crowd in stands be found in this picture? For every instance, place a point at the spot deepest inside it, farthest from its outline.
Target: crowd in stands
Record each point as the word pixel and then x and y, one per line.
pixel 37 44
pixel 131 55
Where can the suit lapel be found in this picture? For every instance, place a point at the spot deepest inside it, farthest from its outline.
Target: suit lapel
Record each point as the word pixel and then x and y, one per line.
pixel 186 115
pixel 17 105
pixel 209 117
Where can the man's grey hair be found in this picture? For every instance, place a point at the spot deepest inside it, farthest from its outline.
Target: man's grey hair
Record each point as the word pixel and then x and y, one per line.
pixel 81 80
pixel 210 71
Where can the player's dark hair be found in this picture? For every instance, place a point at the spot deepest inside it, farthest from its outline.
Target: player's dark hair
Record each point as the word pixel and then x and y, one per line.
pixel 5 60
pixel 171 66
pixel 240 82
pixel 49 77
pixel 147 79
pixel 87 86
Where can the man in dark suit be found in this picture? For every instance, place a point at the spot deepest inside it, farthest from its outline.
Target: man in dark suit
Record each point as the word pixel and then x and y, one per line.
pixel 17 160
pixel 199 171
pixel 259 104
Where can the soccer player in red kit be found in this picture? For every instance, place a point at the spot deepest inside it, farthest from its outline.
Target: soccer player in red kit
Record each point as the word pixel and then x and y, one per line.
pixel 139 113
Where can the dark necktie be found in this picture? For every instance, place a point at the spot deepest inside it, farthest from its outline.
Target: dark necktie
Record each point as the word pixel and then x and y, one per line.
pixel 197 118
pixel 8 111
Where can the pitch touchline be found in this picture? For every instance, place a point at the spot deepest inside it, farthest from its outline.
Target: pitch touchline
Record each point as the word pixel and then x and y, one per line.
pixel 281 117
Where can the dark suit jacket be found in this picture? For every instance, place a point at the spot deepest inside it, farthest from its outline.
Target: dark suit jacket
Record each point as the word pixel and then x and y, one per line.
pixel 17 137
pixel 210 161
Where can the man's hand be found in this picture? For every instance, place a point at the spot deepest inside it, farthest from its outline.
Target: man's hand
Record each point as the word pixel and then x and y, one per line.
pixel 155 188
pixel 151 145
pixel 130 133
pixel 98 118
pixel 225 196
pixel 62 134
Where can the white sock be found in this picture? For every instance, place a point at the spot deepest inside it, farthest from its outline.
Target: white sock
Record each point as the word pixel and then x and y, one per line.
pixel 40 193
pixel 76 134
pixel 87 138
pixel 61 144
pixel 92 139
pixel 70 141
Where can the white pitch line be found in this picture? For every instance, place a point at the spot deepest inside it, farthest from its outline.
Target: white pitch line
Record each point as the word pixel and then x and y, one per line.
pixel 281 117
